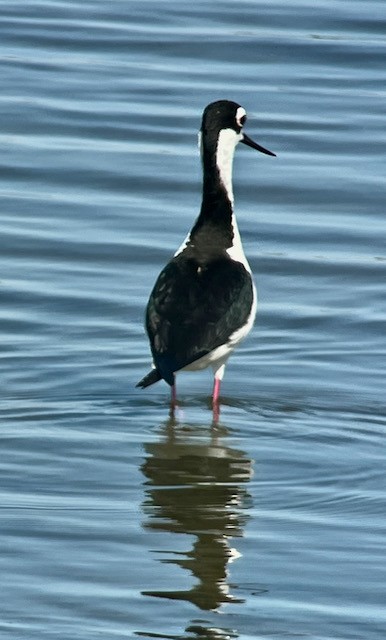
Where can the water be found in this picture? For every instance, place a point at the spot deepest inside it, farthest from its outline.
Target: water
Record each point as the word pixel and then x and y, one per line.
pixel 115 523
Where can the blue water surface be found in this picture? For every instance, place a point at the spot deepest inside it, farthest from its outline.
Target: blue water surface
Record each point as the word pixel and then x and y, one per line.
pixel 114 522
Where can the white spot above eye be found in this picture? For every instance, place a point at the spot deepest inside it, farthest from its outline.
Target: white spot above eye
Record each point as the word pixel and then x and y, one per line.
pixel 241 115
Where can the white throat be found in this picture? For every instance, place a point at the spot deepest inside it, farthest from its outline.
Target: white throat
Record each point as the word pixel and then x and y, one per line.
pixel 226 145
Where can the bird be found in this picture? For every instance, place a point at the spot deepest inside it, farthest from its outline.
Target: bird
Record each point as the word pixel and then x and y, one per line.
pixel 203 303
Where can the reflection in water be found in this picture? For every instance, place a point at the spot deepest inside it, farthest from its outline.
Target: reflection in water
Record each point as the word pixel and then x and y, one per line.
pixel 196 487
pixel 196 632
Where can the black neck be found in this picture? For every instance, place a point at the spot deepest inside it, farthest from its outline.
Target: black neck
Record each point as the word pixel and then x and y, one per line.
pixel 216 208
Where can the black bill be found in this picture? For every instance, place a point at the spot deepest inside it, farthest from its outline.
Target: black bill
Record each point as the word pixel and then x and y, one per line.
pixel 250 143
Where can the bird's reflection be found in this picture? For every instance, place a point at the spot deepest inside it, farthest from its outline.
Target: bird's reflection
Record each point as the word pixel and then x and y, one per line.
pixel 195 632
pixel 196 486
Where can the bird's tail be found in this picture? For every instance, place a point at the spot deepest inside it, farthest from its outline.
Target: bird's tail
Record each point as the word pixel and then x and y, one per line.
pixel 152 377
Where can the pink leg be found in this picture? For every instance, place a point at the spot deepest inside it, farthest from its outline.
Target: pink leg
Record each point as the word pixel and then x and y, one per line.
pixel 216 390
pixel 174 395
pixel 216 399
pixel 173 399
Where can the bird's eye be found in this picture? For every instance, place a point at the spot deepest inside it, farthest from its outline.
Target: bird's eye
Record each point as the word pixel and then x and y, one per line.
pixel 243 120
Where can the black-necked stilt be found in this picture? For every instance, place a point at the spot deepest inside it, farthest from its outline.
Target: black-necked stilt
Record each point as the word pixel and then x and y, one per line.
pixel 204 300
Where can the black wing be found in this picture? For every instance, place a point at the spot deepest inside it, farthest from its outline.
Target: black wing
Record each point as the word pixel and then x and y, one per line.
pixel 193 309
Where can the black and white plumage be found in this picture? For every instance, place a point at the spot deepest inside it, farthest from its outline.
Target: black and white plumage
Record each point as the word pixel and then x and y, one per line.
pixel 204 300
